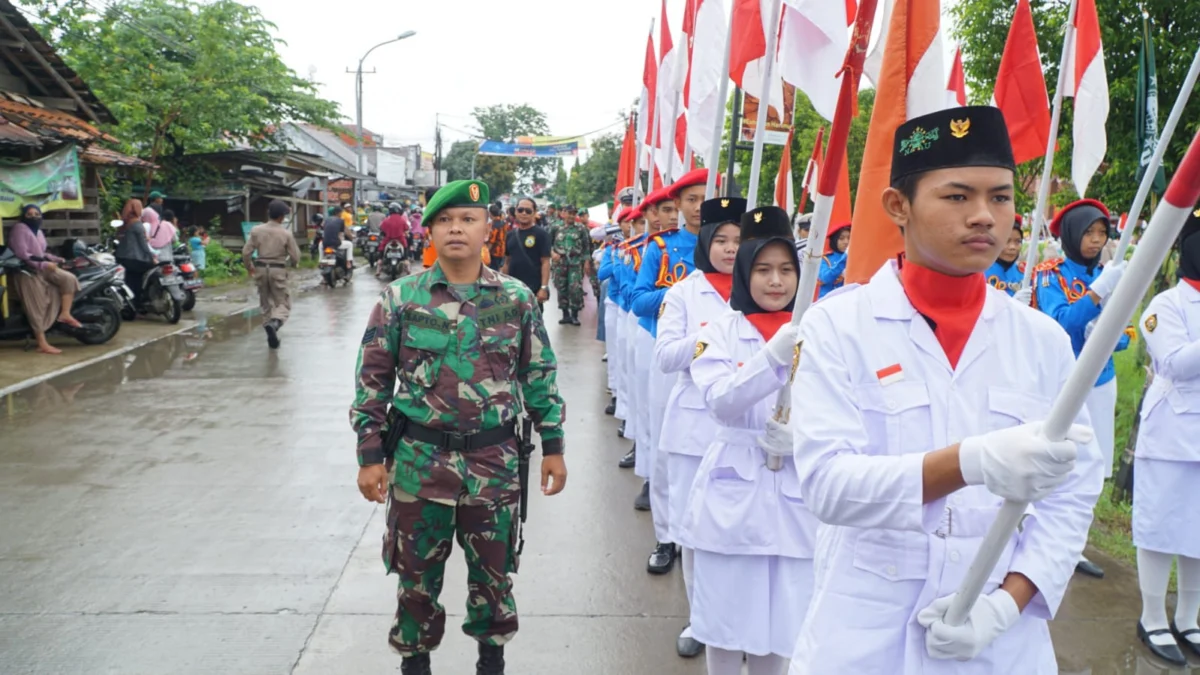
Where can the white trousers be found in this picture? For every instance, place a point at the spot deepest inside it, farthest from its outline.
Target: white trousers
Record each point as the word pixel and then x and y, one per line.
pixel 643 361
pixel 629 366
pixel 1102 408
pixel 610 343
pixel 661 385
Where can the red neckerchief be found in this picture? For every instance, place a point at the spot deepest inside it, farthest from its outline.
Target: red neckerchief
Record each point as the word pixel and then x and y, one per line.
pixel 952 303
pixel 721 283
pixel 1194 283
pixel 768 323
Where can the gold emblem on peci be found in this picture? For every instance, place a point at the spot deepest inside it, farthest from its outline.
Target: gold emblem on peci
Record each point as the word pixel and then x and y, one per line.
pixel 474 192
pixel 1151 323
pixel 724 203
pixel 960 128
pixel 758 217
pixel 700 347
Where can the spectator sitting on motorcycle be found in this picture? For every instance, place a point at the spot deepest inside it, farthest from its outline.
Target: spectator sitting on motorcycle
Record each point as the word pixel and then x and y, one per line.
pixel 375 218
pixel 394 227
pixel 134 252
pixel 37 292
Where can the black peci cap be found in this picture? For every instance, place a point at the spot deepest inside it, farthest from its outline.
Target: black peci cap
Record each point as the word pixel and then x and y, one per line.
pixel 722 210
pixel 953 138
pixel 768 221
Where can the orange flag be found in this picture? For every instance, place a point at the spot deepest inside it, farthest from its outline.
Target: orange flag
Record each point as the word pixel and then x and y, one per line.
pixel 911 83
pixel 1021 88
pixel 842 212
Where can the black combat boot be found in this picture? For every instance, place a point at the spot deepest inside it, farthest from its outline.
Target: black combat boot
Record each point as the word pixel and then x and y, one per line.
pixel 575 317
pixel 417 664
pixel 566 316
pixel 491 660
pixel 272 329
pixel 611 408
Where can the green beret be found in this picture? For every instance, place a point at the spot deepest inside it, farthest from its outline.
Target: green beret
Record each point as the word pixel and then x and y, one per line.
pixel 455 194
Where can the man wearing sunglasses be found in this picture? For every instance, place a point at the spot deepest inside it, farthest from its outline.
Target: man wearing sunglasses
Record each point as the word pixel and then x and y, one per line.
pixel 528 247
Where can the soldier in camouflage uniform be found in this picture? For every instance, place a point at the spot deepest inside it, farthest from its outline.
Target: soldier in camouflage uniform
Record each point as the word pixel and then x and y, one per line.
pixel 571 248
pixel 462 346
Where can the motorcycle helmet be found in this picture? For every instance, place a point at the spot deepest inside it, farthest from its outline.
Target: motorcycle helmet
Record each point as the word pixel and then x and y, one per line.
pixel 394 208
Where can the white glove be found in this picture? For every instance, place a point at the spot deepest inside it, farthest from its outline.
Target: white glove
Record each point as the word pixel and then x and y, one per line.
pixel 1019 463
pixel 1107 281
pixel 777 439
pixel 781 347
pixel 1024 296
pixel 989 618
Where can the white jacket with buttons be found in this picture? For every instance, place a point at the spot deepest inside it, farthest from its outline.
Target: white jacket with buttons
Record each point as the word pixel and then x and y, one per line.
pixel 1171 411
pixel 873 393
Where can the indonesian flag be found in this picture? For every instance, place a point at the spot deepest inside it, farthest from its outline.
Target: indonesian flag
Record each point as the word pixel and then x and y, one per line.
pixel 874 61
pixel 785 197
pixel 911 83
pixel 1088 84
pixel 671 74
pixel 812 48
pixel 748 52
pixel 809 185
pixel 627 168
pixel 689 34
pixel 645 126
pixel 1021 88
pixel 956 88
pixel 708 63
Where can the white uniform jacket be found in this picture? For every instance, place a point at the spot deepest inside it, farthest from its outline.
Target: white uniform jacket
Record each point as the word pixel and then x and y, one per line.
pixel 687 307
pixel 1171 412
pixel 738 506
pixel 874 392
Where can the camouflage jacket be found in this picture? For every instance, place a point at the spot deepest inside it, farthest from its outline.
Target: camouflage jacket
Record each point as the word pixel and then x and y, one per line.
pixel 461 364
pixel 573 241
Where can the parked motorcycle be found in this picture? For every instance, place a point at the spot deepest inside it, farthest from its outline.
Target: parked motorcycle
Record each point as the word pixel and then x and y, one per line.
pixel 333 267
pixel 190 276
pixel 162 294
pixel 395 260
pixel 93 306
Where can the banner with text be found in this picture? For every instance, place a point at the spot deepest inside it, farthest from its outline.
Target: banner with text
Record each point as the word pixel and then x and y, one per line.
pixel 502 149
pixel 52 183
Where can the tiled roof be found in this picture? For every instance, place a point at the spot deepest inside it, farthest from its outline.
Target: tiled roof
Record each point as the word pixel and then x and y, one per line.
pixel 52 124
pixel 95 154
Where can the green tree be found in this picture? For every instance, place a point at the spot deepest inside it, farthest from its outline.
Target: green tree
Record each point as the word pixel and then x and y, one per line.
pixel 497 172
pixel 182 76
pixel 594 181
pixel 982 27
pixel 558 191
pixel 507 122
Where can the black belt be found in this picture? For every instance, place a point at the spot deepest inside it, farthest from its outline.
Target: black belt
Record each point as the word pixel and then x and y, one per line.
pixel 449 440
pixel 259 263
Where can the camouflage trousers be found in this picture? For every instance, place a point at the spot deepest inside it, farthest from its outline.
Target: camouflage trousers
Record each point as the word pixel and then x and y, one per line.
pixel 596 287
pixel 568 284
pixel 419 538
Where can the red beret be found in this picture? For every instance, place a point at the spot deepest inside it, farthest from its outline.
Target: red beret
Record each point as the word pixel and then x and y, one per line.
pixel 654 198
pixel 689 179
pixel 1056 224
pixel 1018 219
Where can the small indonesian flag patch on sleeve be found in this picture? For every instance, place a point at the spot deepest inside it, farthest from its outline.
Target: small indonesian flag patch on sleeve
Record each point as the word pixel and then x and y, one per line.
pixel 890 375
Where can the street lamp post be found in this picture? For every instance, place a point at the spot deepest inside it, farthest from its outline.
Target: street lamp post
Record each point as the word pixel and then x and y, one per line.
pixel 358 91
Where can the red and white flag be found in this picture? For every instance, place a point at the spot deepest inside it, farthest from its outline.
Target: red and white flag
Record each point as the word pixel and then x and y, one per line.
pixel 689 36
pixel 785 196
pixel 671 74
pixel 1020 92
pixel 809 185
pixel 748 52
pixel 956 88
pixel 645 123
pixel 1088 84
pixel 710 43
pixel 812 48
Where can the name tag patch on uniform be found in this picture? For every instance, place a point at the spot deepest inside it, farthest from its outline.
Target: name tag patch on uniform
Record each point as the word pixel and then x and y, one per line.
pixel 499 315
pixel 890 375
pixel 1151 323
pixel 429 321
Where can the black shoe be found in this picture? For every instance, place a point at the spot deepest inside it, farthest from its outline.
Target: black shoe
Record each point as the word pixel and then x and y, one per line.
pixel 629 459
pixel 662 559
pixel 1089 568
pixel 566 318
pixel 688 647
pixel 611 409
pixel 1169 653
pixel 642 502
pixel 575 318
pixel 491 660
pixel 1182 638
pixel 417 664
pixel 272 337
pixel 621 431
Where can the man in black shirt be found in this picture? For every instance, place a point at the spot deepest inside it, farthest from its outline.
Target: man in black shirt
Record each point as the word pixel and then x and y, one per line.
pixel 528 248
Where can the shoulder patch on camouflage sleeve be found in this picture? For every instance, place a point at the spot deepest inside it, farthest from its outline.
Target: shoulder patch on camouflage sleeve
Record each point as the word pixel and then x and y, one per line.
pixel 700 347
pixel 1151 323
pixel 369 336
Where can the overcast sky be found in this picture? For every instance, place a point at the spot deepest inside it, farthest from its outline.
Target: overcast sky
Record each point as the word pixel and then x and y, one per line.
pixel 579 62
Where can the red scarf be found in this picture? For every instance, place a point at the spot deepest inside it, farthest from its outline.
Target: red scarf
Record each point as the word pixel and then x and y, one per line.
pixel 768 323
pixel 1194 283
pixel 952 303
pixel 721 283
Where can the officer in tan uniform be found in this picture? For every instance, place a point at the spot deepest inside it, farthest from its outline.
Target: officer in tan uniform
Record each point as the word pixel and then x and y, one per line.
pixel 277 250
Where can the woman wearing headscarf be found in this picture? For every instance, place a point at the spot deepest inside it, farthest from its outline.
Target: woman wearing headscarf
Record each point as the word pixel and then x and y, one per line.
pixel 1073 290
pixel 752 534
pixel 687 428
pixel 50 285
pixel 161 232
pixel 833 266
pixel 134 252
pixel 1167 465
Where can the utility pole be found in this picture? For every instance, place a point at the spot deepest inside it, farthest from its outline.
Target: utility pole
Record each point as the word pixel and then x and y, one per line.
pixel 358 92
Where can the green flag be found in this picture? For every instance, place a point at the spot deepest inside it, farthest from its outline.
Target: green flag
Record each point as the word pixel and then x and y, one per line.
pixel 1146 120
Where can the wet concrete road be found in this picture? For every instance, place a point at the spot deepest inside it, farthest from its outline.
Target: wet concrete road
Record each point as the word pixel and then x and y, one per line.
pixel 190 507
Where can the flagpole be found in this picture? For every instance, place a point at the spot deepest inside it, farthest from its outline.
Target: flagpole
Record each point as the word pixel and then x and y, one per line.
pixel 764 99
pixel 1164 139
pixel 806 184
pixel 1039 213
pixel 710 187
pixel 1160 236
pixel 827 182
